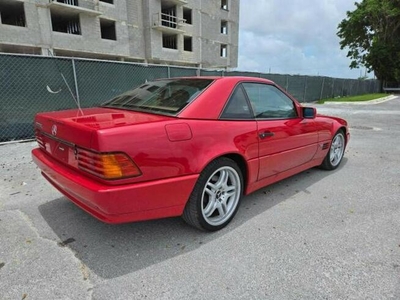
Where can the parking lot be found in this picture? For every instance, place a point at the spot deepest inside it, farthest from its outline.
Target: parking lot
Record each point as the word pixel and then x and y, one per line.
pixel 316 235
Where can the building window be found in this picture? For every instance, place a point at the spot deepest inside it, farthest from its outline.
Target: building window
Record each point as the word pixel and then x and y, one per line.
pixel 224 27
pixel 108 1
pixel 69 2
pixel 187 43
pixel 224 4
pixel 187 15
pixel 107 28
pixel 170 41
pixel 224 50
pixel 168 16
pixel 12 13
pixel 66 23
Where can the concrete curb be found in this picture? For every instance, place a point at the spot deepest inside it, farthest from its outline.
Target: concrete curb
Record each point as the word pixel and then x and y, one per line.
pixel 371 102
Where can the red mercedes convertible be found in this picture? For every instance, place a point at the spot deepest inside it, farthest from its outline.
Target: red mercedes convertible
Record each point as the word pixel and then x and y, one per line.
pixel 189 147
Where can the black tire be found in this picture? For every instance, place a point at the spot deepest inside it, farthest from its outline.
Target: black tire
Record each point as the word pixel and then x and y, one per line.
pixel 216 196
pixel 336 152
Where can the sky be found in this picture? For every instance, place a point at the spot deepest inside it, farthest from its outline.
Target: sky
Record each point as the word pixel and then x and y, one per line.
pixel 294 37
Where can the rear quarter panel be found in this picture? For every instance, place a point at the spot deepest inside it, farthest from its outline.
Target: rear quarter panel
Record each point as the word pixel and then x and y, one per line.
pixel 158 156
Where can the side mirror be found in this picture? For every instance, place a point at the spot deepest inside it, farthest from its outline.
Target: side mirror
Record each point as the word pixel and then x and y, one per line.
pixel 309 112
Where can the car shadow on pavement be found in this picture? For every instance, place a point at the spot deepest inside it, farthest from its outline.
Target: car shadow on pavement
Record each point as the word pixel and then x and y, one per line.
pixel 115 250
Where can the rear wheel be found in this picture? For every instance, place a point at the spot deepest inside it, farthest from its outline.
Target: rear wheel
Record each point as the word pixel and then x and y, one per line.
pixel 336 152
pixel 215 198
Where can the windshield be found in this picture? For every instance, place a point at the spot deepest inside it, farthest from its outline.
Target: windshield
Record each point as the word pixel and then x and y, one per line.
pixel 168 96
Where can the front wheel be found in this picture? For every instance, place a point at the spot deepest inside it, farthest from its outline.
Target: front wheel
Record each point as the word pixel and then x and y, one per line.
pixel 215 198
pixel 336 152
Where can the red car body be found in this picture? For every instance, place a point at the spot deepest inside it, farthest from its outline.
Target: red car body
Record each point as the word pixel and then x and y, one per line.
pixel 170 152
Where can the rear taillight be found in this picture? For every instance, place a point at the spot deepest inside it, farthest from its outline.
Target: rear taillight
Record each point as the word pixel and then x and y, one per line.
pixel 107 165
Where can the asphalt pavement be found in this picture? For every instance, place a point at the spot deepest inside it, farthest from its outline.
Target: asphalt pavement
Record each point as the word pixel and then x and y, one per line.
pixel 316 235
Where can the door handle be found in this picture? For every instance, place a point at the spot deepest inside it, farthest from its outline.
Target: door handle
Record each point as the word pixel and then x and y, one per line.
pixel 265 134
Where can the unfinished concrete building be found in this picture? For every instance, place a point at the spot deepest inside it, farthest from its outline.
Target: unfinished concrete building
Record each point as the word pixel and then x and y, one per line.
pixel 177 32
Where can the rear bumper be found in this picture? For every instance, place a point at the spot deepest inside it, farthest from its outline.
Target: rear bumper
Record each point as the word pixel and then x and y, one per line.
pixel 122 203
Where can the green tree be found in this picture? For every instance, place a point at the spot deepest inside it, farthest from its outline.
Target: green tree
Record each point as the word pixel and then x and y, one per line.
pixel 371 33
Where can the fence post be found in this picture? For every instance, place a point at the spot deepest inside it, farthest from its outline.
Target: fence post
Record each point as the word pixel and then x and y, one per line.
pixel 351 88
pixel 322 87
pixel 343 88
pixel 169 72
pixel 76 83
pixel 305 89
pixel 287 83
pixel 333 88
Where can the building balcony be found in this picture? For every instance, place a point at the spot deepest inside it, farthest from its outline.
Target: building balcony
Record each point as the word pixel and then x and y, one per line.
pixel 175 2
pixel 168 23
pixel 71 7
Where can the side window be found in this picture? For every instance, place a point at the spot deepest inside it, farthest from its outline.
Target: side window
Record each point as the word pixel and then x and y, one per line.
pixel 269 102
pixel 237 107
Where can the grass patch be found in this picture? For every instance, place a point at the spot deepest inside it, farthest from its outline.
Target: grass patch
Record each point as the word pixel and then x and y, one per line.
pixel 366 97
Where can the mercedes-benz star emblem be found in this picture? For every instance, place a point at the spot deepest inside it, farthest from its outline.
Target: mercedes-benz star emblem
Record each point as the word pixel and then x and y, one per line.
pixel 54 129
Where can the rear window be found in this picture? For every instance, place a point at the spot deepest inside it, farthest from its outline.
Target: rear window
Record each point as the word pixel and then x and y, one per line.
pixel 168 96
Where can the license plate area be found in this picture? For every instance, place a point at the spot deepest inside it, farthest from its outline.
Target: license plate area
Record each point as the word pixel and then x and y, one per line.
pixel 60 150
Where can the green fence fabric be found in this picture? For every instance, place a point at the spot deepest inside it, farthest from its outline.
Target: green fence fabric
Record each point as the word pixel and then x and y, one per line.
pixel 31 84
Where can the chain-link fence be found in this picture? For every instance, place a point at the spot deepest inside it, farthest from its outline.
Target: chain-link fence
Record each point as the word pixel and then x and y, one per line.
pixel 30 84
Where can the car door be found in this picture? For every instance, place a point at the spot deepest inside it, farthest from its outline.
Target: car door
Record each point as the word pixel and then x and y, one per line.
pixel 286 140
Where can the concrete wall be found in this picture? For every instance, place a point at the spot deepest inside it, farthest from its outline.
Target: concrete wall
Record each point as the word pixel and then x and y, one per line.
pixel 211 17
pixel 137 39
pixel 24 36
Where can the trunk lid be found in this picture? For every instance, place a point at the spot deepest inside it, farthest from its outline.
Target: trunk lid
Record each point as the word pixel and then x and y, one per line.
pixel 60 133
